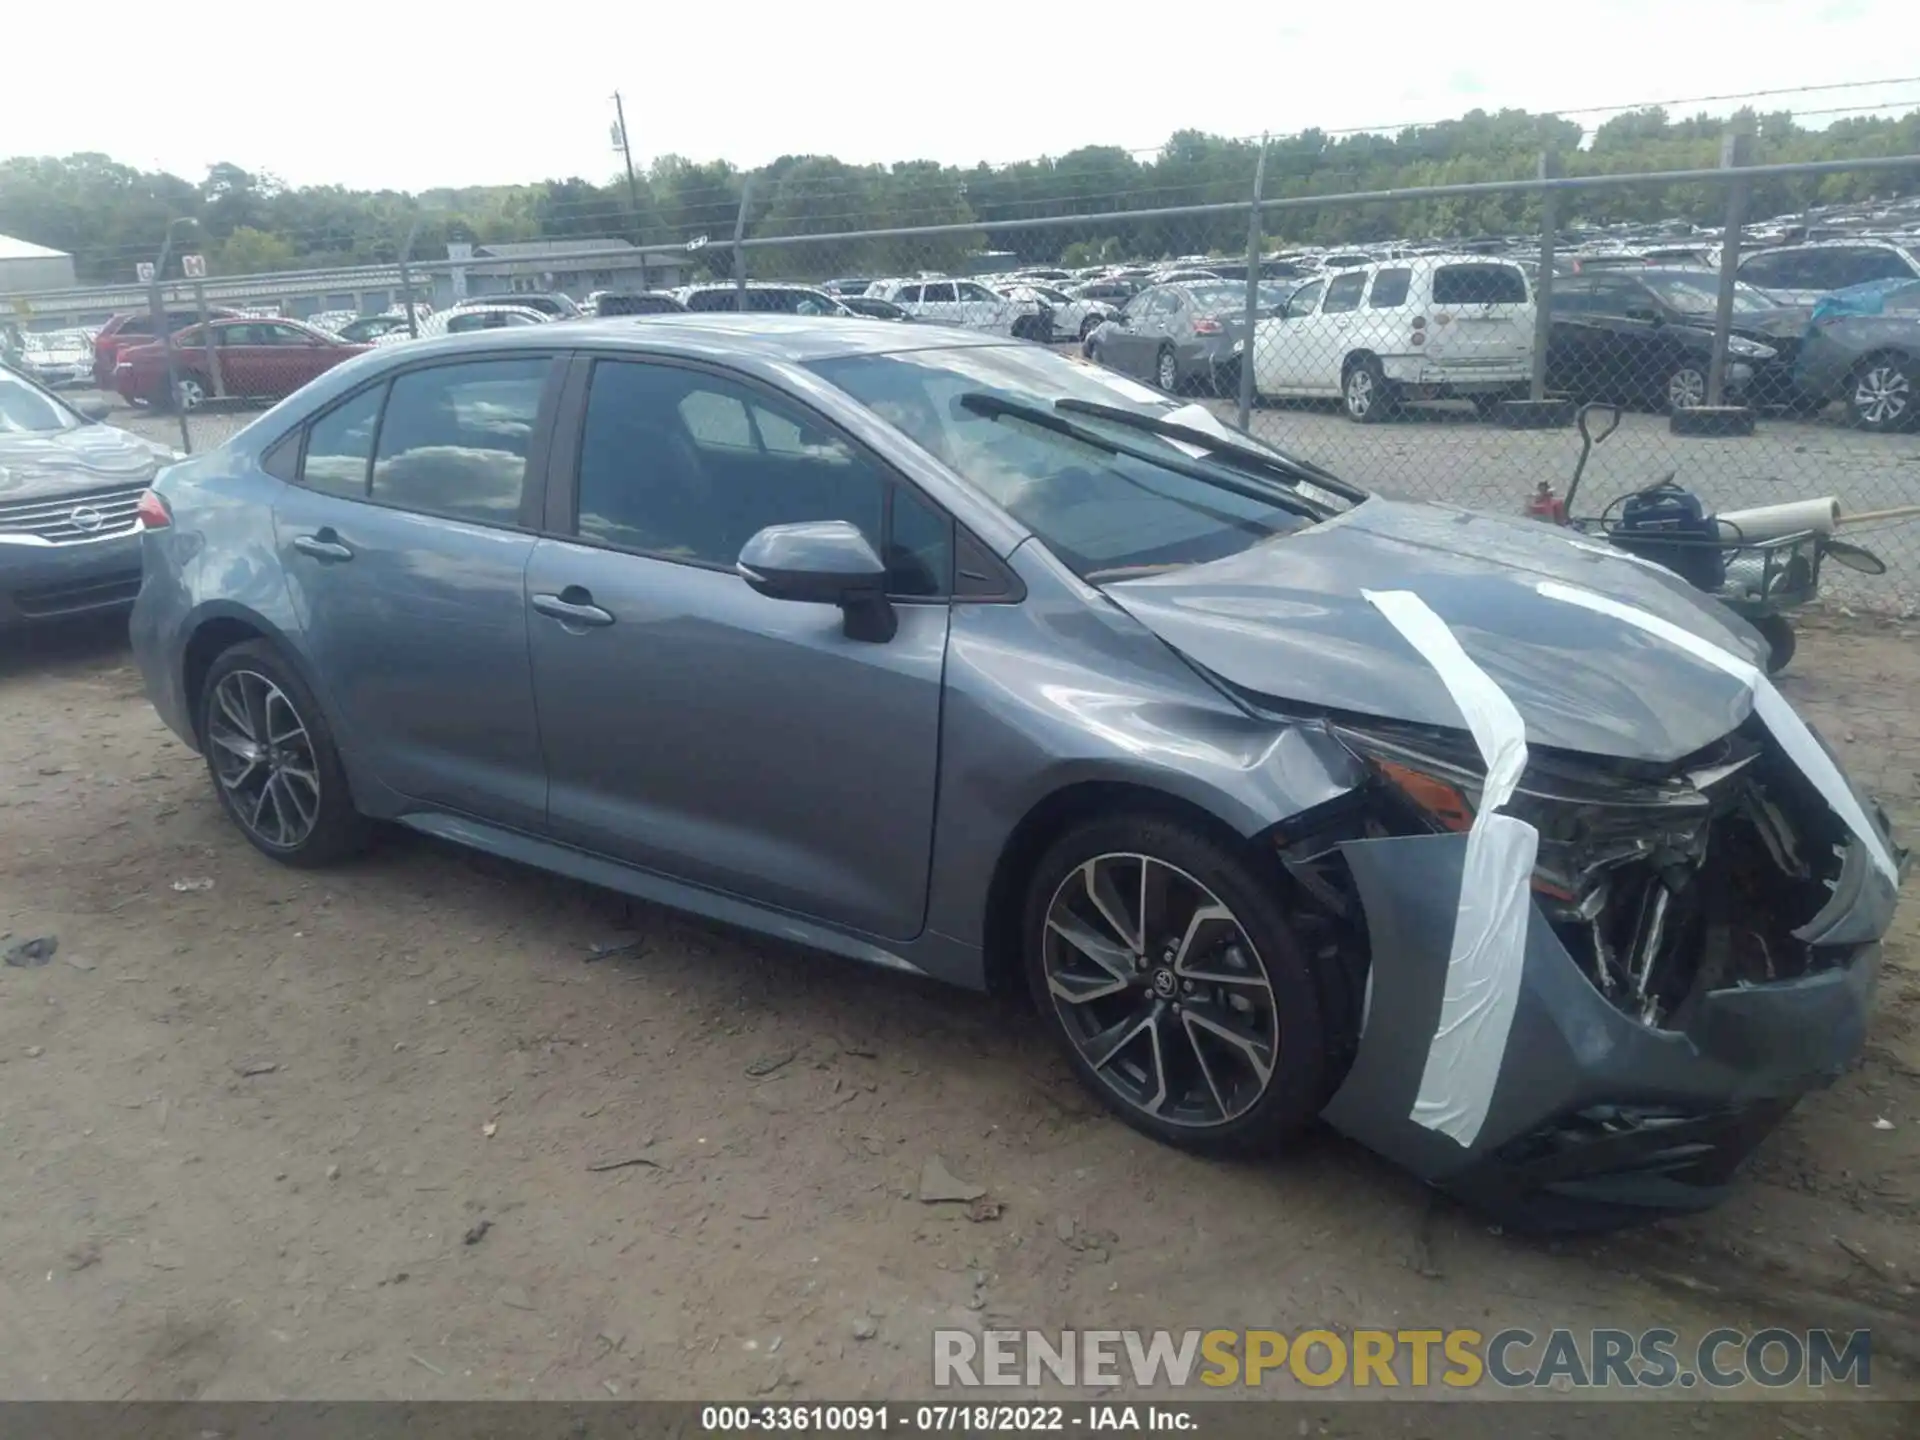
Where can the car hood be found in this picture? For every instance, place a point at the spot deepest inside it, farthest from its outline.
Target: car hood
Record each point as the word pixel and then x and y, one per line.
pixel 1789 322
pixel 1287 622
pixel 74 462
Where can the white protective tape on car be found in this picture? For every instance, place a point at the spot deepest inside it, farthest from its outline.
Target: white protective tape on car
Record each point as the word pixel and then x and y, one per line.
pixel 1490 922
pixel 1769 704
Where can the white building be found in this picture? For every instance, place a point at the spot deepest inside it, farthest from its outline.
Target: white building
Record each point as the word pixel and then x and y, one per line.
pixel 26 267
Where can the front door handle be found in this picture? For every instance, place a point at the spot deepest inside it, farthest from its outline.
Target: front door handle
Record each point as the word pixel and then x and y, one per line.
pixel 573 607
pixel 323 545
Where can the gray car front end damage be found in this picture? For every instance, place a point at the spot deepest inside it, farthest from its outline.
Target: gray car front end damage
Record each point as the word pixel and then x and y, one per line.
pixel 1585 1010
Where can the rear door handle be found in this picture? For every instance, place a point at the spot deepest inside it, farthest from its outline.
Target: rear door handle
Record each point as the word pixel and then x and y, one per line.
pixel 573 607
pixel 324 545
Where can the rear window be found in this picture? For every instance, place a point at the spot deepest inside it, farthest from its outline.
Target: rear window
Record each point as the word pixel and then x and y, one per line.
pixel 1479 285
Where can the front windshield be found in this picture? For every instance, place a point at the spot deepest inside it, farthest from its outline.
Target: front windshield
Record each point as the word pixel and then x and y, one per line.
pixel 1700 295
pixel 27 410
pixel 1106 516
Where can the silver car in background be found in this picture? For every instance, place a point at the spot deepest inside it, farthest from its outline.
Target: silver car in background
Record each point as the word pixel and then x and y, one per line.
pixel 70 494
pixel 965 658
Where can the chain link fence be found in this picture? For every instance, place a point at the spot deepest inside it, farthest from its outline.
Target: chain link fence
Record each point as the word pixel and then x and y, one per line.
pixel 1769 355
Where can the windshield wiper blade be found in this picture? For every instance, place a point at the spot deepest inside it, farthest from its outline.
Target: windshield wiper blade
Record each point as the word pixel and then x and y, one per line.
pixel 1287 465
pixel 982 402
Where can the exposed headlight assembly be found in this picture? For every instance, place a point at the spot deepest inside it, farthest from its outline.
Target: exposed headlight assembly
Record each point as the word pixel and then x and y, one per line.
pixel 1589 818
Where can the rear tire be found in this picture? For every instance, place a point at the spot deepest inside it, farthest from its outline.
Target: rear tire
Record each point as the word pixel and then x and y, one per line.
pixel 1203 1027
pixel 190 392
pixel 1883 395
pixel 1166 370
pixel 1686 388
pixel 272 759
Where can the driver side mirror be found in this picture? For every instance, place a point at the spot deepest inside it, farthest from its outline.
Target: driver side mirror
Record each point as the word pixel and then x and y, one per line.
pixel 1645 314
pixel 823 562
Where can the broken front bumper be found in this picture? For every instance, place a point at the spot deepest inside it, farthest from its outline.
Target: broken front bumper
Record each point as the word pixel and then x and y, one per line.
pixel 1596 1120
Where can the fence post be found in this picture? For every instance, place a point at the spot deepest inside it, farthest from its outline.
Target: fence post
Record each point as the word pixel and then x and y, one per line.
pixel 1253 288
pixel 206 329
pixel 406 279
pixel 1543 287
pixel 740 255
pixel 1736 150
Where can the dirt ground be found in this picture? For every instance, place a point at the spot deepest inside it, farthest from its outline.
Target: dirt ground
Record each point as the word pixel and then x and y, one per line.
pixel 361 1133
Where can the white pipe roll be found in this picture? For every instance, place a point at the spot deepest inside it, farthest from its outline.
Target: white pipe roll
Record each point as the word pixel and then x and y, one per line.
pixel 1769 522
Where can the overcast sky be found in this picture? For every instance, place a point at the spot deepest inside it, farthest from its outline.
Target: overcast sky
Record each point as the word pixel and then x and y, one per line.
pixel 372 93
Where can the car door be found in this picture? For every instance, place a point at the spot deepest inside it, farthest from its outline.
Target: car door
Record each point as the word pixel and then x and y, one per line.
pixel 404 547
pixel 1629 355
pixel 284 357
pixel 940 304
pixel 1120 344
pixel 1573 341
pixel 696 728
pixel 1277 364
pixel 246 358
pixel 1325 337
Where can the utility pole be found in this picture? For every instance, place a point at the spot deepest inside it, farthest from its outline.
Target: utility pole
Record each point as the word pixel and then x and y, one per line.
pixel 633 185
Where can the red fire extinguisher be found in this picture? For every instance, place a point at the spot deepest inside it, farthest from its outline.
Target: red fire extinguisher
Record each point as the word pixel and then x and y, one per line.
pixel 1543 504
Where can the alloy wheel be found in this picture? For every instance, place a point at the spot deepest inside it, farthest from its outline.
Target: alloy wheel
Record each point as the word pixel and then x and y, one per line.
pixel 1687 390
pixel 1169 371
pixel 189 393
pixel 264 759
pixel 1882 396
pixel 1360 394
pixel 1160 990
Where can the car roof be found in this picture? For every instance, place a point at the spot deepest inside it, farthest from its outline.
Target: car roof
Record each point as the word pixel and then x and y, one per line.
pixel 756 335
pixel 1874 242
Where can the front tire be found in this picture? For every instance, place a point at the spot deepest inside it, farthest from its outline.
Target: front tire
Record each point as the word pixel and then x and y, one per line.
pixel 273 761
pixel 1884 393
pixel 1173 980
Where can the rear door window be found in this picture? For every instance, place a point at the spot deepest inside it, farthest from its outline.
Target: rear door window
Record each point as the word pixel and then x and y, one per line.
pixel 939 294
pixel 340 445
pixel 1343 293
pixel 1390 288
pixel 1857 267
pixel 1479 285
pixel 455 439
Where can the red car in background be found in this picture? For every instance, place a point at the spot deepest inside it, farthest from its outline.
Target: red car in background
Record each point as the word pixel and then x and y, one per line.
pixel 259 360
pixel 135 327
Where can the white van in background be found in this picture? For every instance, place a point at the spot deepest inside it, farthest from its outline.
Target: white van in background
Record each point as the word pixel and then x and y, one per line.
pixel 1424 328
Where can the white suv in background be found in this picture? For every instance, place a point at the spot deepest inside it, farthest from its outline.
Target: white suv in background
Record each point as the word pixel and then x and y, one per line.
pixel 968 303
pixel 1394 330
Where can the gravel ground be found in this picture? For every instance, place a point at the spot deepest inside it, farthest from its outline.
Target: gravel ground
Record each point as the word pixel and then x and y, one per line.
pixel 270 1133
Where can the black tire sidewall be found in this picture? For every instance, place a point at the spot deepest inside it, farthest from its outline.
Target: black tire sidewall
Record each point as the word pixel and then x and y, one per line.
pixel 340 829
pixel 1162 360
pixel 1297 1089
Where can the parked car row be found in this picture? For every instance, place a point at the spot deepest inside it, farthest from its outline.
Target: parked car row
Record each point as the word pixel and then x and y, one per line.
pixel 1462 326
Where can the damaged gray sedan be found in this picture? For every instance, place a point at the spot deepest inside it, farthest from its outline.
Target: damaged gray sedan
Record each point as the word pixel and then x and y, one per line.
pixel 1490 845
